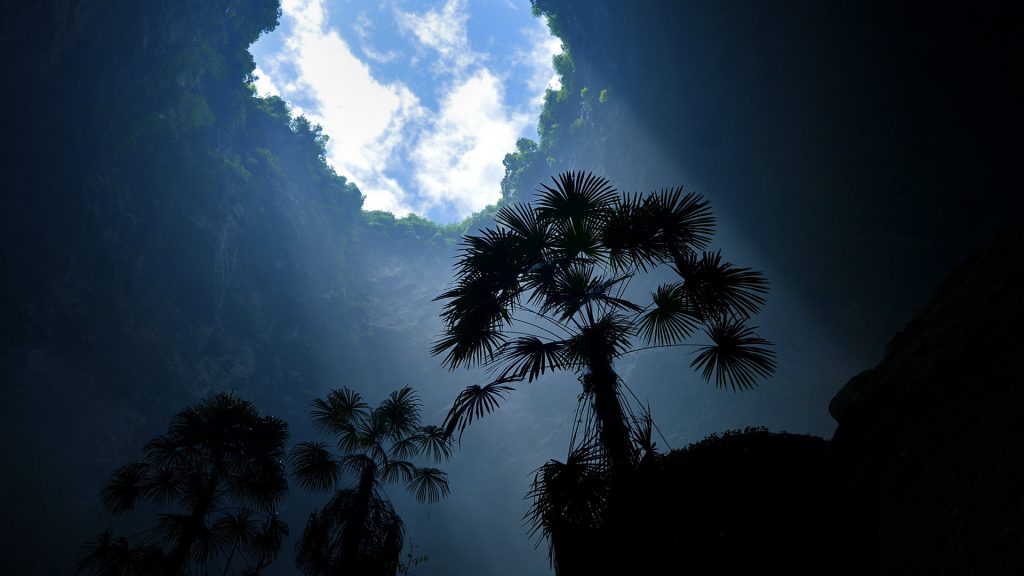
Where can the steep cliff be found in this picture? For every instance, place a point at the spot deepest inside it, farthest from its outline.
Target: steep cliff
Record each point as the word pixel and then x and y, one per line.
pixel 930 440
pixel 924 474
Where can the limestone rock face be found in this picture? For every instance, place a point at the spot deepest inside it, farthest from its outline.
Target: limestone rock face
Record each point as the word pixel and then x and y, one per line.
pixel 929 442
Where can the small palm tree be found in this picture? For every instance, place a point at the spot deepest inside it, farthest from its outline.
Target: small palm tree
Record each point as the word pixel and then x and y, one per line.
pixel 221 466
pixel 358 530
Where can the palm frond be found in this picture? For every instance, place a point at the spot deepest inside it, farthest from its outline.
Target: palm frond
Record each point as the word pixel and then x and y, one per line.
pixel 715 287
pixel 237 528
pixel 314 466
pixel 497 255
pixel 107 555
pixel 261 483
pixel 374 435
pixel 577 238
pixel 349 438
pixel 529 357
pixel 671 319
pixel 684 223
pixel 577 286
pixel 532 236
pixel 397 471
pixel 315 548
pixel 342 409
pixel 434 443
pixel 569 504
pixel 207 543
pixel 389 536
pixel 473 402
pixel 471 340
pixel 162 486
pixel 404 448
pixel 428 484
pixel 360 465
pixel 164 452
pixel 628 236
pixel 608 337
pixel 127 485
pixel 575 197
pixel 401 413
pixel 170 527
pixel 642 432
pixel 267 542
pixel 737 357
pixel 221 424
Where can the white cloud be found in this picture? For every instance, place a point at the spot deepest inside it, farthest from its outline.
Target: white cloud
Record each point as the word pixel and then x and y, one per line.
pixel 538 59
pixel 378 56
pixel 265 84
pixel 364 118
pixel 404 157
pixel 362 25
pixel 458 162
pixel 443 30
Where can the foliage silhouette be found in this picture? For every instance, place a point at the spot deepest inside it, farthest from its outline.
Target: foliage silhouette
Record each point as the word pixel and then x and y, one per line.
pixel 561 268
pixel 221 466
pixel 358 530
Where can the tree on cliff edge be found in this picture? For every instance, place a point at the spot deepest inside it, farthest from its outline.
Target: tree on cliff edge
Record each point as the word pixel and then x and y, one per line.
pixel 547 289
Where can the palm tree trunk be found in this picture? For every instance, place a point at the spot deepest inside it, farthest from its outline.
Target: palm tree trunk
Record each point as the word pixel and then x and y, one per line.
pixel 613 430
pixel 354 531
pixel 177 558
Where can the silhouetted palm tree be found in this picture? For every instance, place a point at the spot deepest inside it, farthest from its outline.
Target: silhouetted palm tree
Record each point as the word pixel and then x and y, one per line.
pixel 547 289
pixel 358 531
pixel 221 466
pixel 115 556
pixel 561 268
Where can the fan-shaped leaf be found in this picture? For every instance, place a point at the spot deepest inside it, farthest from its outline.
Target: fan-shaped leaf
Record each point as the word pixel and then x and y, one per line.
pixel 684 223
pixel 126 487
pixel 162 486
pixel 314 466
pixel 360 465
pixel 428 484
pixel 576 197
pixel 737 357
pixel 337 413
pixel 529 357
pixel 532 237
pixel 400 412
pixel 605 339
pixel 474 402
pixel 434 443
pixel 314 550
pixel 267 541
pixel 397 471
pixel 671 319
pixel 238 528
pixel 629 236
pixel 569 499
pixel 715 288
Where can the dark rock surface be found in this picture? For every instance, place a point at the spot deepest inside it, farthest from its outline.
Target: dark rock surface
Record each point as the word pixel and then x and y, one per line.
pixel 740 503
pixel 924 475
pixel 929 441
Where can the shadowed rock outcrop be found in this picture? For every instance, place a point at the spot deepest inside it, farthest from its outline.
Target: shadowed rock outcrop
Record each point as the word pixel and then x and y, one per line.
pixel 929 441
pixel 740 503
pixel 924 475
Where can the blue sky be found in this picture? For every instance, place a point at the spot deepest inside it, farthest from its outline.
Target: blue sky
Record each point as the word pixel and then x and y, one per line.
pixel 421 99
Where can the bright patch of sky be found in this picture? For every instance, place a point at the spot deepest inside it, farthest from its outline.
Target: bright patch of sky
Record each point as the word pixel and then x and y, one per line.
pixel 421 100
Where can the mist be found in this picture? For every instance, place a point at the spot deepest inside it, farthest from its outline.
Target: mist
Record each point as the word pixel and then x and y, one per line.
pixel 168 235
